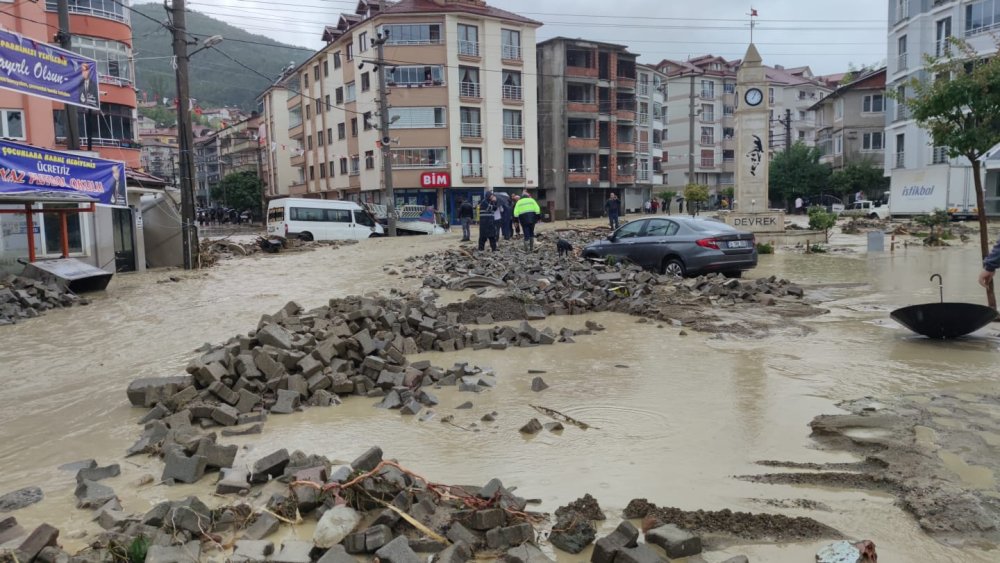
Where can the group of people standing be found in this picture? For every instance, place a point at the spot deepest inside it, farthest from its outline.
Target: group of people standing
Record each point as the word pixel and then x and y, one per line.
pixel 501 216
pixel 213 216
pixel 613 208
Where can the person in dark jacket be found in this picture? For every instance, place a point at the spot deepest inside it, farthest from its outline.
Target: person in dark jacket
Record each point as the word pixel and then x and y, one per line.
pixel 613 207
pixel 990 265
pixel 489 217
pixel 506 223
pixel 466 214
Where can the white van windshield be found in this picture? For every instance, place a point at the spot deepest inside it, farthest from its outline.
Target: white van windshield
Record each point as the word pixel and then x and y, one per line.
pixel 362 218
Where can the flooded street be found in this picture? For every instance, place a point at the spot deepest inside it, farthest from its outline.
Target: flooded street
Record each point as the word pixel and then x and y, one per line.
pixel 675 416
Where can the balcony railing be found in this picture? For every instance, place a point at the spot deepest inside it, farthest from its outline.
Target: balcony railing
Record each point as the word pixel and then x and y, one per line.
pixel 472 130
pixel 513 171
pixel 512 92
pixel 643 176
pixel 902 112
pixel 707 95
pixel 644 88
pixel 513 132
pixel 512 52
pixel 468 48
pixel 900 160
pixel 708 163
pixel 643 119
pixel 472 170
pixel 939 155
pixel 902 62
pixel 642 147
pixel 468 89
pixel 708 117
pixel 707 140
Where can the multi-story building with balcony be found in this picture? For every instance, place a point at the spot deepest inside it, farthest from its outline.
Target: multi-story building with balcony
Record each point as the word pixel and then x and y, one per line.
pixel 850 121
pixel 650 123
pixel 208 167
pixel 462 90
pixel 99 29
pixel 277 173
pixel 588 125
pixel 792 93
pixel 924 27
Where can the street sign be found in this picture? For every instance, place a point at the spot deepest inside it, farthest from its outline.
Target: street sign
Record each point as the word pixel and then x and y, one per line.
pixel 435 180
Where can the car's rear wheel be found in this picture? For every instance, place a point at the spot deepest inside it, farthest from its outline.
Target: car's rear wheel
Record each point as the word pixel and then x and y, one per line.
pixel 873 216
pixel 305 236
pixel 733 274
pixel 673 266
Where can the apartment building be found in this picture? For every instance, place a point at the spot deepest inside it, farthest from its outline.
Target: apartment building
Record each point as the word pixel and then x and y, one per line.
pixel 699 136
pixel 462 89
pixel 277 172
pixel 850 121
pixel 588 126
pixel 918 28
pixel 240 146
pixel 650 123
pixel 705 87
pixel 207 167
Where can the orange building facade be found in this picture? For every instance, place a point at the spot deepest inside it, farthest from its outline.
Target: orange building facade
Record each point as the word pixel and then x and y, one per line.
pixel 101 29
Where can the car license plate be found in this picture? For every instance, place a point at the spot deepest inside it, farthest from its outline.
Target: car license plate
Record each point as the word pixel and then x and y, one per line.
pixel 739 244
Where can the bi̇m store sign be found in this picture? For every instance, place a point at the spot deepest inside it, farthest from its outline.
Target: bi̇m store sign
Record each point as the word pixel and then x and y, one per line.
pixel 39 69
pixel 28 170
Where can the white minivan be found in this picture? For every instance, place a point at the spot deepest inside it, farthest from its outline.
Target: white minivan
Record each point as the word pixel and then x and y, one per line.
pixel 320 219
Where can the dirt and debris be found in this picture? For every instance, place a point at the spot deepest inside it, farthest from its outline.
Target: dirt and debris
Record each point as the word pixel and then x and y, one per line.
pixel 937 454
pixel 216 249
pixel 25 298
pixel 727 525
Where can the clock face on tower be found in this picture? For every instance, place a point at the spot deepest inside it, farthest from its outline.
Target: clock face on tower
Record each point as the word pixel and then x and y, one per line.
pixel 753 97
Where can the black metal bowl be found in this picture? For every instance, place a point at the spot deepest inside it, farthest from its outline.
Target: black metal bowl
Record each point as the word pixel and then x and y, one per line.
pixel 944 320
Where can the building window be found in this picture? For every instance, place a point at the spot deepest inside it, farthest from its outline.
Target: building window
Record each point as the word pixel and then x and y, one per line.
pixel 309 142
pixel 728 110
pixel 708 158
pixel 707 112
pixel 770 95
pixel 513 129
pixel 982 16
pixel 728 155
pixel 329 106
pixel 332 166
pixel 113 126
pixel 12 124
pixel 363 42
pixel 901 110
pixel 469 82
pixel 838 108
pixel 708 89
pixel 350 92
pixel 308 111
pixel 329 136
pixel 114 59
pixel 472 163
pixel 339 95
pixel 366 118
pixel 349 50
pixel 343 165
pixel 939 155
pixel 578 58
pixel 872 141
pixel 708 135
pixel 417 76
pixel 316 73
pixel 471 124
pixel 902 60
pixel 729 87
pixel 943 33
pixel 468 40
pixel 305 81
pixel 336 60
pixel 355 165
pixel 354 126
pixel 900 151
pixel 580 163
pixel 412 34
pixel 319 139
pixel 418 118
pixel 513 164
pixel 512 85
pixel 312 172
pixel 110 9
pixel 366 82
pixel 873 103
pixel 341 131
pixel 369 160
pixel 420 158
pixel 580 93
pixel 511 44
pixel 326 68
pixel 295 117
pixel 322 171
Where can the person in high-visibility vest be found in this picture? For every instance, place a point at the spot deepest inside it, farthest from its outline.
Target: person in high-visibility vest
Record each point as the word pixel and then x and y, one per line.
pixel 527 213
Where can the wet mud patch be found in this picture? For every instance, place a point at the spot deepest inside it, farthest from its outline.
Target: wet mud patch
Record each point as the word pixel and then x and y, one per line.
pixel 727 525
pixel 489 309
pixel 937 454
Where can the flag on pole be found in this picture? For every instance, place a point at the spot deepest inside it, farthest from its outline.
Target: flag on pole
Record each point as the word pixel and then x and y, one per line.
pixel 753 12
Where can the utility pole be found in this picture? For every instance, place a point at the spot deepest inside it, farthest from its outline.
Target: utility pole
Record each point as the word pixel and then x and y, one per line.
pixel 691 116
pixel 185 137
pixel 788 130
pixel 383 117
pixel 66 42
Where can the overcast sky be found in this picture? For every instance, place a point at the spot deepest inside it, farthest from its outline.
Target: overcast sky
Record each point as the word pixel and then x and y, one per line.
pixel 827 36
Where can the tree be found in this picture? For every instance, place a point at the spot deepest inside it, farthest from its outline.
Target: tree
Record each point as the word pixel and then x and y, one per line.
pixel 798 172
pixel 695 194
pixel 959 105
pixel 865 176
pixel 240 191
pixel 820 220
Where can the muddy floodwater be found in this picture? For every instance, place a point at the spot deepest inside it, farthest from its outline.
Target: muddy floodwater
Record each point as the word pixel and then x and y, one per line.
pixel 675 416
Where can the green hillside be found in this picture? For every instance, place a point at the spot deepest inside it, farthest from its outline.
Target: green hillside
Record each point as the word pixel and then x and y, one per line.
pixel 215 80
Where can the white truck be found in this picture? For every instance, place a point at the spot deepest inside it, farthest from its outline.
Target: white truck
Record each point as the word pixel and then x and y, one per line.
pixel 934 188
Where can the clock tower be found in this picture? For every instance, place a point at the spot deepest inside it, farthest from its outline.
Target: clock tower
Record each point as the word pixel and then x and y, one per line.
pixel 752 134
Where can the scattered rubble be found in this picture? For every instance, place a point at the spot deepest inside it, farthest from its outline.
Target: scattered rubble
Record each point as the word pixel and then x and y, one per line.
pixel 214 250
pixel 20 498
pixel 26 298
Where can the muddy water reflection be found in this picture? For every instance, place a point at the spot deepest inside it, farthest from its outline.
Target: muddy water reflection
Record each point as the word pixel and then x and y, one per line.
pixel 686 414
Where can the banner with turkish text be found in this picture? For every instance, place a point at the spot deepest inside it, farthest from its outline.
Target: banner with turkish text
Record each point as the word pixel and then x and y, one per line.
pixel 39 69
pixel 25 169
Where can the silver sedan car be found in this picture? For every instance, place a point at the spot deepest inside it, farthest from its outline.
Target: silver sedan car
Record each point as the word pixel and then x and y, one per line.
pixel 683 246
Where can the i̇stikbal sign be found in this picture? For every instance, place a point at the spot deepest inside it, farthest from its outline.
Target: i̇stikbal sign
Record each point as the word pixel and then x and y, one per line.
pixel 39 69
